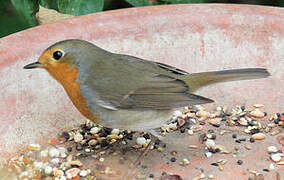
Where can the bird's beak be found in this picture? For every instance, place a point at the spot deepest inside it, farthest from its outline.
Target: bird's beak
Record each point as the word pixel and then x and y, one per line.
pixel 33 65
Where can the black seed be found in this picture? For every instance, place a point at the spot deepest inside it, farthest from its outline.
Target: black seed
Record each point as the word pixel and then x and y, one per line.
pixel 146 136
pixel 228 114
pixel 182 130
pixel 214 150
pixel 266 170
pixel 173 159
pixel 107 130
pixel 240 162
pixel 157 142
pixel 216 125
pixel 151 175
pixel 104 143
pixel 234 136
pixel 276 121
pixel 202 137
pixel 251 123
pixel 79 147
pixel 254 131
pixel 129 137
pixel 103 134
pixel 214 164
pixel 251 140
pixel 211 131
pixel 243 108
pixel 238 141
pixel 65 134
pixel 243 139
pixel 217 150
pixel 69 149
pixel 85 129
pixel 265 113
pixel 164 145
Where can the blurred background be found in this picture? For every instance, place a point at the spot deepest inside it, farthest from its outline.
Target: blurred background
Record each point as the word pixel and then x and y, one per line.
pixel 17 15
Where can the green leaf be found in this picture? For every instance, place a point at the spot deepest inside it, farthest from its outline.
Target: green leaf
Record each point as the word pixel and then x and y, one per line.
pixel 187 1
pixel 80 7
pixel 147 2
pixel 50 4
pixel 27 9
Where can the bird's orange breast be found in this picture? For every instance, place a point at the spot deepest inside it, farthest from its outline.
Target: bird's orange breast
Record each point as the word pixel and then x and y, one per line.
pixel 66 74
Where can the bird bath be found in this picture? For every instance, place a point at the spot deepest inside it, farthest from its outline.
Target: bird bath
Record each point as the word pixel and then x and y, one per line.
pixel 195 38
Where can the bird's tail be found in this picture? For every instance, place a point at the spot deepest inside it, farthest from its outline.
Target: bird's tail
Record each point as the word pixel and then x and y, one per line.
pixel 198 80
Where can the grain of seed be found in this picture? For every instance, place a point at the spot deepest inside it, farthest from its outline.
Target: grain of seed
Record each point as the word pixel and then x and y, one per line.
pixel 83 173
pixel 53 152
pixel 193 146
pixel 271 166
pixel 95 130
pixel 78 137
pixel 257 113
pixel 34 147
pixel 211 176
pixel 248 147
pixel 48 170
pixel 222 161
pixel 190 132
pixel 276 157
pixel 73 172
pixel 258 136
pixel 272 149
pixel 215 121
pixel 258 105
pixel 203 114
pixel 208 154
pixel 210 143
pixel 275 132
pixel 185 162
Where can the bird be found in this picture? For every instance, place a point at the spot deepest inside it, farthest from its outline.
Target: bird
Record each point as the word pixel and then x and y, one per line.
pixel 127 92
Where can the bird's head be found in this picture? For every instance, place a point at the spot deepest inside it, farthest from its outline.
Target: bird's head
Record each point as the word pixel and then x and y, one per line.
pixel 64 57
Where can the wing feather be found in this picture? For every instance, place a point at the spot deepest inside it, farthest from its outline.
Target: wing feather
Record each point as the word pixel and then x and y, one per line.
pixel 127 82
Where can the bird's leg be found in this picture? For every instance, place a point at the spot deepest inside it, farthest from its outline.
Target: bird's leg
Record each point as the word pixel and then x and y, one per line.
pixel 137 162
pixel 114 144
pixel 143 153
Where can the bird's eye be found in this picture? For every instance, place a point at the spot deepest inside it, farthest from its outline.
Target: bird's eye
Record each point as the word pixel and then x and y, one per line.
pixel 57 55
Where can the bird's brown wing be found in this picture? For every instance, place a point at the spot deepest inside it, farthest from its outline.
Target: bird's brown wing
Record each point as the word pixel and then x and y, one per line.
pixel 127 82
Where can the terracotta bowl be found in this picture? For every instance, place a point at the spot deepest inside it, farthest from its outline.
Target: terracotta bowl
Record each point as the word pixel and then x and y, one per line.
pixel 195 38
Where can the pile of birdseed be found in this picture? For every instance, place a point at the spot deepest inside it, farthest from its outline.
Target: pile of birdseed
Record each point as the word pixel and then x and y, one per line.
pixel 60 160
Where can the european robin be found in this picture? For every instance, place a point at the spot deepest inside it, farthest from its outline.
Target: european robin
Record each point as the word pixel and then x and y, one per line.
pixel 126 92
